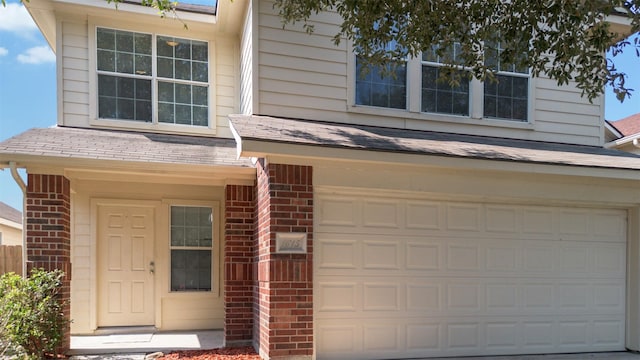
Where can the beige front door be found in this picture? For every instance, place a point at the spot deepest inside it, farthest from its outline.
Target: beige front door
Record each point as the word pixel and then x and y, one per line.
pixel 125 265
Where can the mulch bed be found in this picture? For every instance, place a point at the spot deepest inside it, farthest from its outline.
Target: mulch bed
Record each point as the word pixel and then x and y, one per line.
pixel 244 353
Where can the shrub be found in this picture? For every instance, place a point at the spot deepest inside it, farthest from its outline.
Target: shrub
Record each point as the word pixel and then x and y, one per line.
pixel 31 313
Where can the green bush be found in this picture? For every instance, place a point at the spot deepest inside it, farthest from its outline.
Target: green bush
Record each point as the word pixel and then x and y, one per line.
pixel 31 314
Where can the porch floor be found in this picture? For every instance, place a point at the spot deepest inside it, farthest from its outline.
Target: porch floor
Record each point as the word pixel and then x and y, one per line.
pixel 142 342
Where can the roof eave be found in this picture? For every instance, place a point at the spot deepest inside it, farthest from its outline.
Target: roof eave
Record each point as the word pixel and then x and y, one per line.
pixel 252 147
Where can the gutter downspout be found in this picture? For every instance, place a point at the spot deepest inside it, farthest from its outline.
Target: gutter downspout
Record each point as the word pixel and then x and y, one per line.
pixel 23 187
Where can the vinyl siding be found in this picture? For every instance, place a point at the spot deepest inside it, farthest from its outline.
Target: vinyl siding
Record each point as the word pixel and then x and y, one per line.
pixel 307 76
pixel 246 64
pixel 75 74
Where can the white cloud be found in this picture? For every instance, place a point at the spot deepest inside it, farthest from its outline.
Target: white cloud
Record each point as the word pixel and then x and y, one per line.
pixel 3 51
pixel 15 18
pixel 37 55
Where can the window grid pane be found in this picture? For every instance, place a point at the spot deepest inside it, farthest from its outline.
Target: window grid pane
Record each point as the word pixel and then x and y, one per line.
pixel 124 98
pixel 376 89
pixel 183 104
pixel 191 248
pixel 507 98
pixel 440 97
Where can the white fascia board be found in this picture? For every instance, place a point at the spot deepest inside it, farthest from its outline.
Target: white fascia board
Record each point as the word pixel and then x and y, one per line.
pixel 271 150
pixel 621 142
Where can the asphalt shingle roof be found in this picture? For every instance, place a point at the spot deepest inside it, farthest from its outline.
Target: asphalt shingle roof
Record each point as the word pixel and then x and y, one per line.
pixel 9 213
pixel 303 132
pixel 97 144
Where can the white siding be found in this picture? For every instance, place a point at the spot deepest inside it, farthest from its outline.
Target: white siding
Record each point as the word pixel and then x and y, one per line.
pixel 246 64
pixel 75 74
pixel 306 76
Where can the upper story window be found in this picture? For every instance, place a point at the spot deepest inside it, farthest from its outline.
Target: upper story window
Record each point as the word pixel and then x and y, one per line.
pixel 152 78
pixel 506 98
pixel 439 96
pixel 383 86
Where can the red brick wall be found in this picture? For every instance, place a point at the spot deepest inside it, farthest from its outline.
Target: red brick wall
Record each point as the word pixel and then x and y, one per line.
pixel 238 264
pixel 284 303
pixel 48 230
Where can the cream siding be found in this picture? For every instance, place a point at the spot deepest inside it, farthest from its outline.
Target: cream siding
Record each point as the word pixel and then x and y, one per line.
pixel 246 63
pixel 307 76
pixel 10 234
pixel 75 74
pixel 226 83
pixel 174 311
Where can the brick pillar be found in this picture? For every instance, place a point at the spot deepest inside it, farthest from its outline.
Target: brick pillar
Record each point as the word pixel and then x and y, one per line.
pixel 283 326
pixel 238 264
pixel 49 232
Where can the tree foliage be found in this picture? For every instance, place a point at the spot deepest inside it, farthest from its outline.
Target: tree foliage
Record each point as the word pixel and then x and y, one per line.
pixel 564 40
pixel 31 313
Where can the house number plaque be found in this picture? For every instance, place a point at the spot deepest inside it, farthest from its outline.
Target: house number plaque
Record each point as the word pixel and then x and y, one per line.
pixel 291 243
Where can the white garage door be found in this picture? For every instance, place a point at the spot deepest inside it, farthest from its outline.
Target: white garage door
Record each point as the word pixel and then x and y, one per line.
pixel 407 278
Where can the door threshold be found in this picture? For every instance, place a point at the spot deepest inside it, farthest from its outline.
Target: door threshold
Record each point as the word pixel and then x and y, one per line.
pixel 119 330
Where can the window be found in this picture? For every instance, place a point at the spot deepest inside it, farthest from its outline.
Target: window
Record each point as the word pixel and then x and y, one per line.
pixel 383 86
pixel 506 98
pixel 166 83
pixel 191 248
pixel 438 96
pixel 379 87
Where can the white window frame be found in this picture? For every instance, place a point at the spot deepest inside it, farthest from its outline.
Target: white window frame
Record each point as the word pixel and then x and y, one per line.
pixel 414 101
pixel 154 126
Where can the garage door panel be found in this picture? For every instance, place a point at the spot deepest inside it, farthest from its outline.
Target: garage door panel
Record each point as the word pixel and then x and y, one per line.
pixel 418 278
pixel 372 339
pixel 381 255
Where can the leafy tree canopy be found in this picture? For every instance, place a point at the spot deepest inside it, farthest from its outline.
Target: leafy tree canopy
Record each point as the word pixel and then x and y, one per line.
pixel 564 40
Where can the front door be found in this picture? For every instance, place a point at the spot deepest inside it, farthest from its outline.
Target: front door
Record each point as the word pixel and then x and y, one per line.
pixel 125 265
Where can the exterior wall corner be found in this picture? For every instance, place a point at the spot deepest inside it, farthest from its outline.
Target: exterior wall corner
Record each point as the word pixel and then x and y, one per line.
pixel 283 327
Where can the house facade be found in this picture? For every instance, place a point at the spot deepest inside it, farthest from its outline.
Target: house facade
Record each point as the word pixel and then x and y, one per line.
pixel 234 174
pixel 10 225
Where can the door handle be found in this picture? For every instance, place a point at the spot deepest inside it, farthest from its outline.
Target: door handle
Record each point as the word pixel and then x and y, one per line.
pixel 152 267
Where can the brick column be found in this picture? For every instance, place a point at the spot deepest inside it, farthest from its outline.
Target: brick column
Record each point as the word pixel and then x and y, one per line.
pixel 48 231
pixel 238 264
pixel 283 326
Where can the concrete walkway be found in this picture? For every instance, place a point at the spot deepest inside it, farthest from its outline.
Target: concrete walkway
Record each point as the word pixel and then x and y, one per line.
pixel 144 342
pixel 121 346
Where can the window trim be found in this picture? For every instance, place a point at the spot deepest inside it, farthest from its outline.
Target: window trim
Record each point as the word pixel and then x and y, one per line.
pixel 216 257
pixel 412 111
pixel 94 24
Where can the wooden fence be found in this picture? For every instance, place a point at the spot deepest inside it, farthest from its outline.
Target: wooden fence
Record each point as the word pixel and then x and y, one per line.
pixel 11 259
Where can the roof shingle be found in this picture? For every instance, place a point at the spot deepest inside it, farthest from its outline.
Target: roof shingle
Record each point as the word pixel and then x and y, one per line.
pixel 9 213
pixel 627 126
pixel 304 132
pixel 97 144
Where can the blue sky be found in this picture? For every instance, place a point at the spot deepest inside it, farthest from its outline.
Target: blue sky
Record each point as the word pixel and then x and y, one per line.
pixel 28 84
